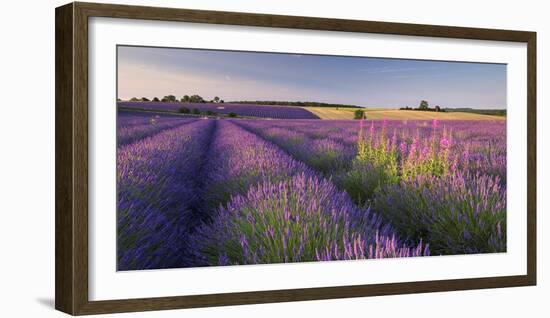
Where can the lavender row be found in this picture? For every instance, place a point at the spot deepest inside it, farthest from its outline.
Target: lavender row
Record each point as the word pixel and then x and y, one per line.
pixel 127 118
pixel 281 211
pixel 132 133
pixel 239 160
pixel 323 154
pixel 156 191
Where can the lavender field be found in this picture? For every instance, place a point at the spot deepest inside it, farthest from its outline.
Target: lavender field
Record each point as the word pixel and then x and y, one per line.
pixel 245 110
pixel 217 191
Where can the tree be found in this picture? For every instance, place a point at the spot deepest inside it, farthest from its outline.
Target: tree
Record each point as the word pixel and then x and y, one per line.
pixel 118 100
pixel 423 105
pixel 437 108
pixel 169 98
pixel 196 99
pixel 221 101
pixel 134 99
pixel 359 114
pixel 184 110
pixel 144 99
pixel 216 99
pixel 156 99
pixel 185 99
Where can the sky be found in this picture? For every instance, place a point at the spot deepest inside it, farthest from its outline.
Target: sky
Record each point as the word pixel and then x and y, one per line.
pixel 363 81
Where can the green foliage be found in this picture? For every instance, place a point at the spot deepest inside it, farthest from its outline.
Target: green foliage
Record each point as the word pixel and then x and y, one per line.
pixel 456 214
pixel 379 163
pixel 232 114
pixel 374 166
pixel 423 105
pixel 156 99
pixel 362 181
pixel 429 159
pixel 196 99
pixel 210 113
pixel 359 114
pixel 169 98
pixel 196 111
pixel 184 110
pixel 134 99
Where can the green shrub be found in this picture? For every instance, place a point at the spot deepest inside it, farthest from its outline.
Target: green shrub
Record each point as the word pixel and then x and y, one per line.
pixel 196 111
pixel 184 110
pixel 456 214
pixel 232 114
pixel 359 114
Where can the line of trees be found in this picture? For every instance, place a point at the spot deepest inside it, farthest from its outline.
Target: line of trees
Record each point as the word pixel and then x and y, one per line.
pixel 216 99
pixel 174 99
pixel 424 106
pixel 290 103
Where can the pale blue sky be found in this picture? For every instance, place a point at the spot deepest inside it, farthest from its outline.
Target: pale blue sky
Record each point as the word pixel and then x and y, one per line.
pixel 364 81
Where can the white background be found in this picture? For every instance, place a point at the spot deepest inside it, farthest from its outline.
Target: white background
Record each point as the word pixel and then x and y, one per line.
pixel 27 161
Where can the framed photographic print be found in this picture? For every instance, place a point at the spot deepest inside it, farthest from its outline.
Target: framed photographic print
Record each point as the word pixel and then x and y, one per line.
pixel 211 158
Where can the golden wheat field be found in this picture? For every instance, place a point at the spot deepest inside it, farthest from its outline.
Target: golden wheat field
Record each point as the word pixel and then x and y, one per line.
pixel 377 113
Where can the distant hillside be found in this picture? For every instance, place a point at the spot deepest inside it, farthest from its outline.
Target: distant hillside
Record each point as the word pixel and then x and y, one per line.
pixel 289 103
pixel 494 112
pixel 395 114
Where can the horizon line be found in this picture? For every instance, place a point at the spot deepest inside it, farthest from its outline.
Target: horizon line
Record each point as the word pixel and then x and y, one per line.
pixel 328 104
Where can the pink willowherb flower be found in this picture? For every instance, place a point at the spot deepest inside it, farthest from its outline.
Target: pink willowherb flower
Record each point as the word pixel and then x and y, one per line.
pixel 445 143
pixel 371 128
pixel 424 153
pixel 403 147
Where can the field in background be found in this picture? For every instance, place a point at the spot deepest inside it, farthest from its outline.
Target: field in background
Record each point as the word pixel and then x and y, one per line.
pixel 395 114
pixel 295 112
pixel 333 112
pixel 241 110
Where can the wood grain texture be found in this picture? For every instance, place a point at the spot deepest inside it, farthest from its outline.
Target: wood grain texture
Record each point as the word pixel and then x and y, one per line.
pixel 72 157
pixel 64 235
pixel 297 22
pixel 532 159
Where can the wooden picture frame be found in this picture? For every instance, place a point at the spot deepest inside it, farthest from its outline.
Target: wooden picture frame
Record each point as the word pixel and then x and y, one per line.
pixel 71 89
